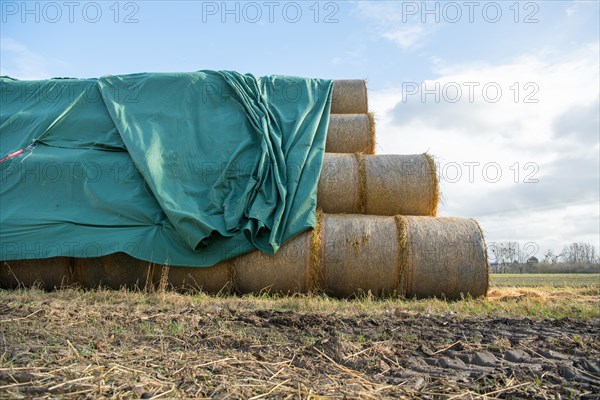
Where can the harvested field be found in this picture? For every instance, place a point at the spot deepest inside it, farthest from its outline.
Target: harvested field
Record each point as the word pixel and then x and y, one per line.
pixel 520 343
pixel 556 280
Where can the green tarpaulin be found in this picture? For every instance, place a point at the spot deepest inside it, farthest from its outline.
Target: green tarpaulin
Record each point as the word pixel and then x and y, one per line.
pixel 181 168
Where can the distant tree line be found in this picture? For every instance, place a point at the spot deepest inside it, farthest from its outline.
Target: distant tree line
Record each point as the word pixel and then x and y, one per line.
pixel 511 257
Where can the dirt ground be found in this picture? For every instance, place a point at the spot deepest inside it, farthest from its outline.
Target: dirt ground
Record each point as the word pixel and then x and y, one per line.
pixel 59 346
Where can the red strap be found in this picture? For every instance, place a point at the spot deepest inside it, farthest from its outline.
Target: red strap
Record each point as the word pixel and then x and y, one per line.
pixel 11 155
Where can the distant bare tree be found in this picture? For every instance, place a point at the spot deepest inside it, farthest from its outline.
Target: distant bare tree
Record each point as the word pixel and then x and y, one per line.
pixel 550 258
pixel 580 253
pixel 505 253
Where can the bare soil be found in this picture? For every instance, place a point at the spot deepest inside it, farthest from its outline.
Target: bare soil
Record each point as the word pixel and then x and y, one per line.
pixel 58 346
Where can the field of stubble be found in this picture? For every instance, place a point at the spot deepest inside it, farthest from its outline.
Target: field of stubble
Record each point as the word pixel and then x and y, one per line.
pixel 533 337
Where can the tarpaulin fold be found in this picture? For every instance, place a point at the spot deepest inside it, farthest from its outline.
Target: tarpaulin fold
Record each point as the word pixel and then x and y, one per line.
pixel 181 168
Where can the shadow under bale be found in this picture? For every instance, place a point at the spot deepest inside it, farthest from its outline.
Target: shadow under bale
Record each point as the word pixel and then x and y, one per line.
pixel 48 274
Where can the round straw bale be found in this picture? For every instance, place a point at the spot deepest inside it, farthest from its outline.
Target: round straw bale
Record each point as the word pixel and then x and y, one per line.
pixel 400 184
pixel 213 280
pixel 286 272
pixel 378 184
pixel 345 255
pixel 359 255
pixel 114 271
pixel 351 133
pixel 446 257
pixel 349 97
pixel 338 189
pixel 48 273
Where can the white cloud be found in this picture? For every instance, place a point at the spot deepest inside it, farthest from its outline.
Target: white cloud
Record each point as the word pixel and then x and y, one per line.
pixel 563 149
pixel 534 92
pixel 389 22
pixel 574 7
pixel 407 37
pixel 574 223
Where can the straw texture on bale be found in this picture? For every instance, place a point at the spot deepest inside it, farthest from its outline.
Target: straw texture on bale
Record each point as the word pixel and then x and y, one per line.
pixel 48 274
pixel 349 97
pixel 215 279
pixel 120 270
pixel 378 184
pixel 352 255
pixel 358 255
pixel 114 271
pixel 446 257
pixel 346 255
pixel 288 272
pixel 338 189
pixel 351 133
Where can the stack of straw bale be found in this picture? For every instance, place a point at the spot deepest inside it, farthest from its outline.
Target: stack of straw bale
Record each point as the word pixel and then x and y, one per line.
pixel 377 233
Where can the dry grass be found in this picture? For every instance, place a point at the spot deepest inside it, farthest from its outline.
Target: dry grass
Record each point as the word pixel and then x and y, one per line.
pixel 513 302
pixel 89 344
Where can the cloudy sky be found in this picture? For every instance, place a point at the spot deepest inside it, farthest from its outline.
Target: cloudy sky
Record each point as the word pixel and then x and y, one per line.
pixel 505 94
